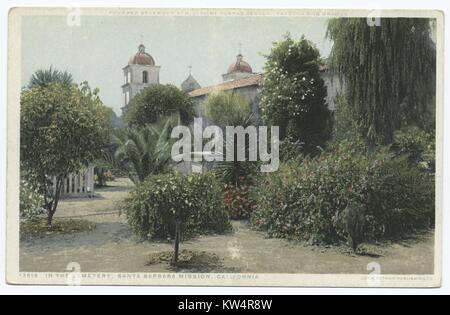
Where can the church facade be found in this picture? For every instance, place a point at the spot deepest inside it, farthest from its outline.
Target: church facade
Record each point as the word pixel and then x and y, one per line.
pixel 142 72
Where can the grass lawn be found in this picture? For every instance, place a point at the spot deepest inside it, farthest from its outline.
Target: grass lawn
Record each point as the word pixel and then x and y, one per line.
pixel 110 247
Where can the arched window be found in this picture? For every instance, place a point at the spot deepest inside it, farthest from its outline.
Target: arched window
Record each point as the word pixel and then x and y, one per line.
pixel 145 77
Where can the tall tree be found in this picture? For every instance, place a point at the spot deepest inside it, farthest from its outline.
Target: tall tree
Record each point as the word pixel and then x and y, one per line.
pixel 389 72
pixel 62 129
pixel 293 93
pixel 43 78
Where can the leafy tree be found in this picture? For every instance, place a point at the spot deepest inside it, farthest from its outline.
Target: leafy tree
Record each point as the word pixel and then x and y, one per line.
pixel 228 109
pixel 63 128
pixel 43 78
pixel 157 101
pixel 146 150
pixel 389 73
pixel 293 93
pixel 345 125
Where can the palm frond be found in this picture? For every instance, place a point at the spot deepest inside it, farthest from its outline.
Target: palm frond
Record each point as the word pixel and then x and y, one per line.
pixel 43 78
pixel 148 149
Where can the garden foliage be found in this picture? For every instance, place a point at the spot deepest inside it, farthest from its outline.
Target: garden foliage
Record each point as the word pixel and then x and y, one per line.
pixel 156 101
pixel 293 94
pixel 197 200
pixel 62 129
pixel 146 151
pixel 415 144
pixel 238 202
pixel 306 199
pixel 387 86
pixel 31 202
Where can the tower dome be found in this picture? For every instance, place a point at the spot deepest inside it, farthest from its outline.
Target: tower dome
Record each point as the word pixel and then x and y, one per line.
pixel 240 66
pixel 142 58
pixel 238 70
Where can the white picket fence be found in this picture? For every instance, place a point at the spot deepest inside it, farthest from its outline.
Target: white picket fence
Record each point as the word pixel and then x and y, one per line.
pixel 79 185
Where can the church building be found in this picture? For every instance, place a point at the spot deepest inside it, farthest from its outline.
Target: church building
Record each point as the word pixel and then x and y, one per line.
pixel 142 72
pixel 239 78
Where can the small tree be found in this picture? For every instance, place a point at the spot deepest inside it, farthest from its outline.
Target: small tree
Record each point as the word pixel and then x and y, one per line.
pixel 156 101
pixel 63 128
pixel 293 93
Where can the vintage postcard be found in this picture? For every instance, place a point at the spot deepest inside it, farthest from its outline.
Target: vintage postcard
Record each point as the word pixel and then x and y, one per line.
pixel 225 147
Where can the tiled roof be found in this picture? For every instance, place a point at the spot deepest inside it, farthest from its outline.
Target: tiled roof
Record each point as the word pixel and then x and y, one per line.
pixel 229 85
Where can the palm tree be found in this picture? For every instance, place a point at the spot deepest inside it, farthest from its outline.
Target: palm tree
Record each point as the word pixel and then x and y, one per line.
pixel 228 109
pixel 42 78
pixel 147 150
pixel 237 172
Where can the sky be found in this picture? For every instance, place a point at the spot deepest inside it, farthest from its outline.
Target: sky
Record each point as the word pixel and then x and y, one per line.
pixel 98 49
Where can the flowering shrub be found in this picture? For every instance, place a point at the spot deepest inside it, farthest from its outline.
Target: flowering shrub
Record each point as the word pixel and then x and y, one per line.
pixel 238 202
pixel 31 202
pixel 306 200
pixel 293 94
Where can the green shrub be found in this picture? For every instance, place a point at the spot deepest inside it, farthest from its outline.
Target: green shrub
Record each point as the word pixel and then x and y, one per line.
pixel 414 143
pixel 400 198
pixel 152 206
pixel 291 149
pixel 306 200
pixel 31 202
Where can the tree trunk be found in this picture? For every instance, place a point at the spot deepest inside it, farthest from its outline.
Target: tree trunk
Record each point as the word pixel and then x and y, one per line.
pixel 54 204
pixel 177 241
pixel 50 219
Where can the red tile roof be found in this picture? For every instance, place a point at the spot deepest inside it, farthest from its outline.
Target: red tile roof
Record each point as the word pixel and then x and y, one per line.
pixel 230 85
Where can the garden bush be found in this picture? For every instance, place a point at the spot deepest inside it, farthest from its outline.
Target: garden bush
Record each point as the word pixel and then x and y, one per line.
pixel 238 201
pixel 151 207
pixel 291 149
pixel 31 202
pixel 306 199
pixel 414 143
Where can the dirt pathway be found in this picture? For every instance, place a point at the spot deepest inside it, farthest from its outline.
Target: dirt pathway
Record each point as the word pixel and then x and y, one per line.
pixel 111 248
